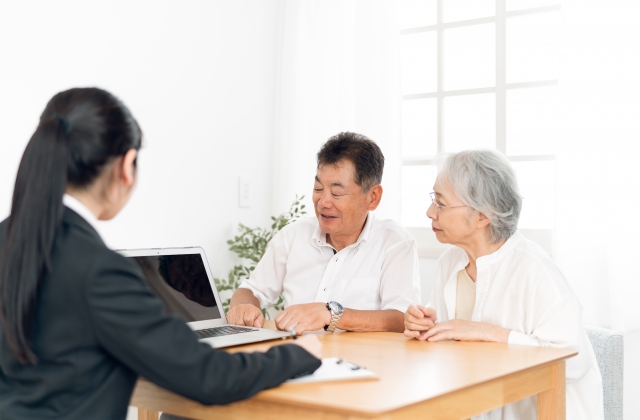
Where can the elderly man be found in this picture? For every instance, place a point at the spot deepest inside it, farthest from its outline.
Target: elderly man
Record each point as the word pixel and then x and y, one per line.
pixel 343 269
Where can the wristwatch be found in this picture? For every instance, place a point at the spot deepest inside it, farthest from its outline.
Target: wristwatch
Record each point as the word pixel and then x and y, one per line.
pixel 336 313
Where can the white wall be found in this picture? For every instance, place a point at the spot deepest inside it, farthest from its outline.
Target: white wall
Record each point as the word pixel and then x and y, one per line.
pixel 337 72
pixel 199 77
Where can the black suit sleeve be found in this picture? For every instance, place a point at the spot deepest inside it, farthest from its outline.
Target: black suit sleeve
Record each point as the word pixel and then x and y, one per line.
pixel 130 323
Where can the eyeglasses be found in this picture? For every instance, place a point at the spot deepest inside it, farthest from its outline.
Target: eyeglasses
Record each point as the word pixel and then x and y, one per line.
pixel 440 206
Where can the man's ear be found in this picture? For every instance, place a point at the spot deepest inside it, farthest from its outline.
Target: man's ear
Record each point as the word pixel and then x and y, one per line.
pixel 374 196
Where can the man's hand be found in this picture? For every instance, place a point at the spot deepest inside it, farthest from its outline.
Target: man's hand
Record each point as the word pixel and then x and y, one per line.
pixel 245 309
pixel 461 330
pixel 246 314
pixel 305 317
pixel 418 320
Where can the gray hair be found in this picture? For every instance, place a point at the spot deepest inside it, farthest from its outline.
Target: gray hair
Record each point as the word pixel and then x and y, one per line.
pixel 485 181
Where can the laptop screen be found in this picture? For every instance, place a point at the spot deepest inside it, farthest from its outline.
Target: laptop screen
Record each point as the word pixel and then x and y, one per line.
pixel 181 281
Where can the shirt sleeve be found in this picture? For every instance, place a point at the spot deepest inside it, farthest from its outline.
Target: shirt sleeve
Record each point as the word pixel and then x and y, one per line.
pixel 558 325
pixel 400 284
pixel 131 325
pixel 267 279
pixel 516 337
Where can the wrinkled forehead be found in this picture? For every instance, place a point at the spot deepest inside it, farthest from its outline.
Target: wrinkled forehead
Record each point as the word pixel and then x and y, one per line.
pixel 342 172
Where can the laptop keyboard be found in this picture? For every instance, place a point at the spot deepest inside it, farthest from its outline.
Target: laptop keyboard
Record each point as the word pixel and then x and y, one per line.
pixel 220 331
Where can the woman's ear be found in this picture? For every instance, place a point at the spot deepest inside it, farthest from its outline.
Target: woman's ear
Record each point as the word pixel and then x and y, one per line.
pixel 129 167
pixel 482 220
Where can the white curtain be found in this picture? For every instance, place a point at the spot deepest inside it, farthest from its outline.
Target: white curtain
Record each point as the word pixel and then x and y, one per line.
pixel 338 71
pixel 598 173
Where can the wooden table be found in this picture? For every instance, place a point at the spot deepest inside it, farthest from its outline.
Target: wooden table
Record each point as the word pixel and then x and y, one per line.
pixel 446 380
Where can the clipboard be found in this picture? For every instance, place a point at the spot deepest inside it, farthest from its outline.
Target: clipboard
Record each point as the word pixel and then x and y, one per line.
pixel 334 369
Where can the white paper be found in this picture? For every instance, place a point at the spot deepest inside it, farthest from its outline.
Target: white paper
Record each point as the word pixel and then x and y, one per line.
pixel 331 370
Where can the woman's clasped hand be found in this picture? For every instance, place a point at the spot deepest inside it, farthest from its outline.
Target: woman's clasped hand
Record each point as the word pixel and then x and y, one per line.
pixel 420 323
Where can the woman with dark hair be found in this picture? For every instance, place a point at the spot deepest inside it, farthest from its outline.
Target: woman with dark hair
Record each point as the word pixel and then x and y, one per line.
pixel 79 323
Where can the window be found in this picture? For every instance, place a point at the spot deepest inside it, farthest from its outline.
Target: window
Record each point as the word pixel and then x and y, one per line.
pixel 480 74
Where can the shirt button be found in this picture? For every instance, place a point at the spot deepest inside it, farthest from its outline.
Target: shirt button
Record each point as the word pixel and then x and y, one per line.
pixel 325 289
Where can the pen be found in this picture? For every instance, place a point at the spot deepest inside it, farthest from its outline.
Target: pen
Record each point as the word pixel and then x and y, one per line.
pixel 349 364
pixel 294 335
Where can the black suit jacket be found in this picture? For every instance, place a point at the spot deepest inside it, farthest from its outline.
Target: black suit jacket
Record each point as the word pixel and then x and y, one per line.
pixel 98 326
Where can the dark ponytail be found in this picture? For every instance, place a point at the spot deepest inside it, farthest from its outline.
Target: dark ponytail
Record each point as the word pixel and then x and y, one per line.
pixel 80 132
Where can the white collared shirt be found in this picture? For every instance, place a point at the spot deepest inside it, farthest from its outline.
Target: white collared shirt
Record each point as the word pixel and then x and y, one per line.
pixel 520 288
pixel 379 271
pixel 82 210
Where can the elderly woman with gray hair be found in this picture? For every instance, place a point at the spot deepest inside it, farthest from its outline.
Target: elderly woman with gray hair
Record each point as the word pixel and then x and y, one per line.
pixel 495 285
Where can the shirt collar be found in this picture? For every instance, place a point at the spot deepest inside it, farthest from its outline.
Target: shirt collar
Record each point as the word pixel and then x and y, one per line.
pixel 500 252
pixel 493 257
pixel 320 238
pixel 82 210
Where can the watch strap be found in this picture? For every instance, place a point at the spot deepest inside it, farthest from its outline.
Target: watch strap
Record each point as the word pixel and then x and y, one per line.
pixel 335 318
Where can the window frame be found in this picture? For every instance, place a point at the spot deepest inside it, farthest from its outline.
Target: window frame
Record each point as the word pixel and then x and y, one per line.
pixel 428 247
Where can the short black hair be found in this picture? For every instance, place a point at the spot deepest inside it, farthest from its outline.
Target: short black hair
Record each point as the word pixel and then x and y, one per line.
pixel 363 152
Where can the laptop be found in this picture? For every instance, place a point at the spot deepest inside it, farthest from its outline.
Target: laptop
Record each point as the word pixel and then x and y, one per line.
pixel 182 280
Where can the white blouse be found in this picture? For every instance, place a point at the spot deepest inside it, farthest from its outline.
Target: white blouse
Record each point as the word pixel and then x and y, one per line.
pixel 520 288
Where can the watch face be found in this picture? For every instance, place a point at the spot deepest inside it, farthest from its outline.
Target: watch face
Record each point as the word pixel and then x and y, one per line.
pixel 335 306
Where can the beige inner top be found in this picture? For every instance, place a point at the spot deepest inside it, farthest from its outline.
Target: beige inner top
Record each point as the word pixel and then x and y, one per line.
pixel 465 296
